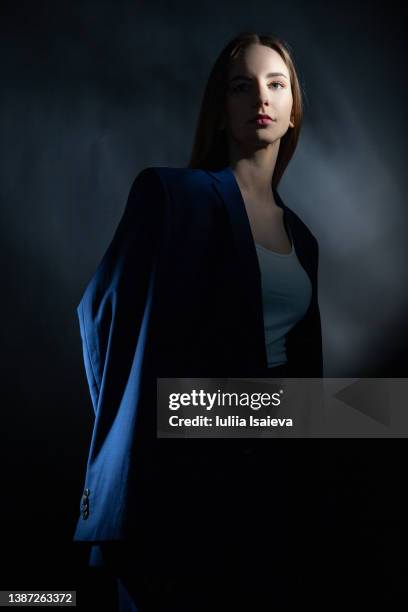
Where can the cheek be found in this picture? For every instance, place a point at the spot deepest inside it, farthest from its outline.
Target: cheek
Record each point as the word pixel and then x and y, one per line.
pixel 235 114
pixel 233 108
pixel 285 104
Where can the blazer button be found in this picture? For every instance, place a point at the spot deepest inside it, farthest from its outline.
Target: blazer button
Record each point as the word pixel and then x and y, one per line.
pixel 86 492
pixel 85 514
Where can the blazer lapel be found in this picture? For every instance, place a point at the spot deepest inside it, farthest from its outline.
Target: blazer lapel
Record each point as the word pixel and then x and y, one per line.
pixel 246 256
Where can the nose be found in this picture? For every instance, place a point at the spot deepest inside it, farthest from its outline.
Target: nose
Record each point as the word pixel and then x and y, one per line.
pixel 261 95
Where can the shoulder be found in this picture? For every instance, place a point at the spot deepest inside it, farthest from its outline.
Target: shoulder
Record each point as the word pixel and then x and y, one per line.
pixel 296 220
pixel 181 188
pixel 180 179
pixel 302 228
pixel 174 178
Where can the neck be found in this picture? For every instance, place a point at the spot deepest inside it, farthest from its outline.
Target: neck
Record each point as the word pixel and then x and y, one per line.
pixel 254 174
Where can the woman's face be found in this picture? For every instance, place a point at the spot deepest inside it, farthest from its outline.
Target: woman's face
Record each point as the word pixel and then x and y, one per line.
pixel 258 82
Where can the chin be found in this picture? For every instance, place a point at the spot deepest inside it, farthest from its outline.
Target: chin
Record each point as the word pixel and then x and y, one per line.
pixel 264 139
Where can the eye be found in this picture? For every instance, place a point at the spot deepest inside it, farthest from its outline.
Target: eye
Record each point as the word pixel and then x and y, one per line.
pixel 241 86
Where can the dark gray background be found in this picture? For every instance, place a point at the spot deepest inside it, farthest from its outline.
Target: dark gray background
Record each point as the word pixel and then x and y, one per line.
pixel 92 92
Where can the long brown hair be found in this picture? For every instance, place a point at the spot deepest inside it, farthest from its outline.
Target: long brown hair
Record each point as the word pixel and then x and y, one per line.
pixel 210 147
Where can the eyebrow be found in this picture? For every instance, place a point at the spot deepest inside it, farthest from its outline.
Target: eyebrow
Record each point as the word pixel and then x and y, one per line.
pixel 246 78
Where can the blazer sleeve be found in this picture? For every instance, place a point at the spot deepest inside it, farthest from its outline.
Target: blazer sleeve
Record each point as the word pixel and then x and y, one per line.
pixel 112 310
pixel 304 341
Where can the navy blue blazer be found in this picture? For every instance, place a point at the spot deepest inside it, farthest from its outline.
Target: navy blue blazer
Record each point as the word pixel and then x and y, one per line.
pixel 177 294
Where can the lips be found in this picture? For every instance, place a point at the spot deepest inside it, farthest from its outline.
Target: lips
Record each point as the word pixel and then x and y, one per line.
pixel 262 121
pixel 261 116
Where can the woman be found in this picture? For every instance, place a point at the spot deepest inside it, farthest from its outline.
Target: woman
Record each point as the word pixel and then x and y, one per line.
pixel 209 274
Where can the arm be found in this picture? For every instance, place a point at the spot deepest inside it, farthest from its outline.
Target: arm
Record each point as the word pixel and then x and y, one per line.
pixel 115 302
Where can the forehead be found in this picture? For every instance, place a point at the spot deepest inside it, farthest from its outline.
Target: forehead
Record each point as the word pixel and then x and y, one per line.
pixel 257 60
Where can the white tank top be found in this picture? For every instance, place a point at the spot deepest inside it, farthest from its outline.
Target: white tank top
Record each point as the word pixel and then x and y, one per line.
pixel 286 295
